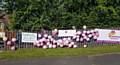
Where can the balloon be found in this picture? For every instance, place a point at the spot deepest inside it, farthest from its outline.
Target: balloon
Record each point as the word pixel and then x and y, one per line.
pixel 95 37
pixel 39 35
pixel 61 45
pixel 81 39
pixel 45 35
pixel 78 32
pixel 34 43
pixel 13 39
pixel 69 39
pixel 13 48
pixel 50 46
pixel 89 35
pixel 54 46
pixel 4 38
pixel 74 37
pixel 38 45
pixel 74 46
pixel 48 43
pixel 49 37
pixel 84 32
pixel 77 39
pixel 55 30
pixel 88 32
pixel 9 43
pixel 85 46
pixel 88 39
pixel 44 47
pixel 70 45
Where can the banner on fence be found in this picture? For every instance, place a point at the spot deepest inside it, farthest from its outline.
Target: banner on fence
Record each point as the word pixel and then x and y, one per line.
pixel 109 35
pixel 2 34
pixel 65 33
pixel 29 37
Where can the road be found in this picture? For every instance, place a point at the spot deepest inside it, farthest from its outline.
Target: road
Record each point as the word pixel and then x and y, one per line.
pixel 109 59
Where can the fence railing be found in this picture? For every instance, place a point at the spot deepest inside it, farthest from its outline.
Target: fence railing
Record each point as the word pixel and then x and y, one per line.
pixel 19 44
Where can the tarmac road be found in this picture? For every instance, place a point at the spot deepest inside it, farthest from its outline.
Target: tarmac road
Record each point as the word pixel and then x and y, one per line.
pixel 109 59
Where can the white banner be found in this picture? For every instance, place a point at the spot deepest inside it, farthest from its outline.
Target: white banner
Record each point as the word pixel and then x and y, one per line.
pixel 65 33
pixel 109 35
pixel 2 34
pixel 29 37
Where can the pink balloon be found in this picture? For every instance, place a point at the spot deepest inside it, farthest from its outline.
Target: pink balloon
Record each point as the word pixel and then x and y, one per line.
pixel 81 39
pixel 78 32
pixel 9 43
pixel 74 37
pixel 38 45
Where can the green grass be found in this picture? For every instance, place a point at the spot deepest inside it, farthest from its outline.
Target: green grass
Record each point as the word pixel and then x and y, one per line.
pixel 59 52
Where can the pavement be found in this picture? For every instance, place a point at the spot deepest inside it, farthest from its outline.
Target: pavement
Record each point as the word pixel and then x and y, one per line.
pixel 107 59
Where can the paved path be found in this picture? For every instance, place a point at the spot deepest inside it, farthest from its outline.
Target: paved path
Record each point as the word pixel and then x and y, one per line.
pixel 110 59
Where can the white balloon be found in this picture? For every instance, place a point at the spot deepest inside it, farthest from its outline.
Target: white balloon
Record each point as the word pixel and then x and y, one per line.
pixel 95 37
pixel 50 46
pixel 85 46
pixel 64 39
pixel 48 43
pixel 13 39
pixel 49 37
pixel 89 35
pixel 61 45
pixel 72 43
pixel 74 37
pixel 83 34
pixel 88 32
pixel 13 48
pixel 88 39
pixel 54 46
pixel 39 35
pixel 69 38
pixel 74 46
pixel 45 35
pixel 77 39
pixel 44 47
pixel 4 38
pixel 52 39
pixel 55 30
pixel 84 27
pixel 77 36
pixel 84 31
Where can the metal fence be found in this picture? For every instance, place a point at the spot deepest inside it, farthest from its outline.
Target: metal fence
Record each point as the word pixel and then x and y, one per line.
pixel 19 44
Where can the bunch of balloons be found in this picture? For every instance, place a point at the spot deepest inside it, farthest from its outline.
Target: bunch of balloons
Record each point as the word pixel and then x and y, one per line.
pixel 9 43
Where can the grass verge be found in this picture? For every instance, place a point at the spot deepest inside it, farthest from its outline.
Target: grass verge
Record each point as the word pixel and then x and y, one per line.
pixel 59 52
